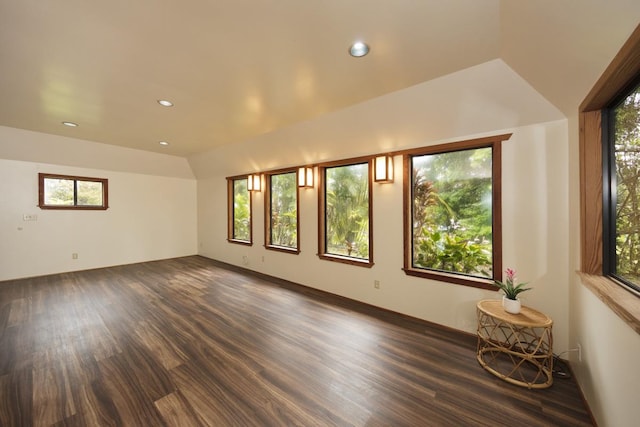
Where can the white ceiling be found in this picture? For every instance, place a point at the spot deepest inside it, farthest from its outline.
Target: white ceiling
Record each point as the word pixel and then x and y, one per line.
pixel 236 69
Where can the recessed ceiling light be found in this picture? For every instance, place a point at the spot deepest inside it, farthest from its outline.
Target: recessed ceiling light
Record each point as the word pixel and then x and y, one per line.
pixel 164 143
pixel 358 49
pixel 70 124
pixel 165 103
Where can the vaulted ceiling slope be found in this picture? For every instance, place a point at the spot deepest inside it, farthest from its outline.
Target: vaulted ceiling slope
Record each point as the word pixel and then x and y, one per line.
pixel 236 69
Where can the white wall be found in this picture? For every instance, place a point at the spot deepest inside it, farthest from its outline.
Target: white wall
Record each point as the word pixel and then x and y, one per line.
pixel 29 146
pixel 150 216
pixel 608 373
pixel 483 100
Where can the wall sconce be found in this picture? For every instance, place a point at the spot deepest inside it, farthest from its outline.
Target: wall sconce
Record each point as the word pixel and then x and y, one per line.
pixel 305 177
pixel 254 181
pixel 383 167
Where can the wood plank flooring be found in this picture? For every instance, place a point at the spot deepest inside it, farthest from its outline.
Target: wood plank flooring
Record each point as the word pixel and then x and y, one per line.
pixel 187 342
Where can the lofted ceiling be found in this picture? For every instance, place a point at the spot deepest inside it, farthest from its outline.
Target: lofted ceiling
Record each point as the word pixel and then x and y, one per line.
pixel 235 69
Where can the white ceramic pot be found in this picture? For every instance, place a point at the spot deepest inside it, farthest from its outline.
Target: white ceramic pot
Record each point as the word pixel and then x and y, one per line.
pixel 512 306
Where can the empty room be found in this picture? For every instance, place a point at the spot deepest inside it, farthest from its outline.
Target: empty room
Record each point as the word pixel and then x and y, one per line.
pixel 320 213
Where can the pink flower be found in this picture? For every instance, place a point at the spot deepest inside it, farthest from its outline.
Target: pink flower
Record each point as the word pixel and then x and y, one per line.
pixel 509 287
pixel 511 275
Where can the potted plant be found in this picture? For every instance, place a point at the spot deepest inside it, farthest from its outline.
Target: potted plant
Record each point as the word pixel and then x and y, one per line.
pixel 511 290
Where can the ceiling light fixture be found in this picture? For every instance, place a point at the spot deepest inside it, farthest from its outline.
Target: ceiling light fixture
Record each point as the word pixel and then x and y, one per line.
pixel 358 49
pixel 70 124
pixel 165 103
pixel 163 143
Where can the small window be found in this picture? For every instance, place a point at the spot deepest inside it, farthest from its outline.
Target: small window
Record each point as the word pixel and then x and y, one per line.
pixel 72 192
pixel 281 212
pixel 345 207
pixel 622 190
pixel 453 220
pixel 239 211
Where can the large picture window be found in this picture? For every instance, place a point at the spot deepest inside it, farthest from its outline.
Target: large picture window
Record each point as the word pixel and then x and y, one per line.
pixel 595 217
pixel 72 192
pixel 281 210
pixel 239 211
pixel 345 233
pixel 452 228
pixel 622 190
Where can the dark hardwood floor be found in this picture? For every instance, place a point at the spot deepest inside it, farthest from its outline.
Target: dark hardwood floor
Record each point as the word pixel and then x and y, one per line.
pixel 187 342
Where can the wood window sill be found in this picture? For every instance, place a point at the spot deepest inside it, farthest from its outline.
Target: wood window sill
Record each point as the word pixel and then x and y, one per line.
pixel 624 303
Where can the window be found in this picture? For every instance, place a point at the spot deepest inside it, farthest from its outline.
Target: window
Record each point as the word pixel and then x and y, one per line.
pixel 345 233
pixel 239 226
pixel 453 221
pixel 281 212
pixel 72 192
pixel 621 170
pixel 615 81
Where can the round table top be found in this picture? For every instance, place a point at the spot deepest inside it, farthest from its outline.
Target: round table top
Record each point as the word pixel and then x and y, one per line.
pixel 527 317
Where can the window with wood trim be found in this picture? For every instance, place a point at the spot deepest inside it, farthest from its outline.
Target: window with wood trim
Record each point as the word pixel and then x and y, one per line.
pixel 452 225
pixel 604 194
pixel 239 224
pixel 72 192
pixel 281 212
pixel 621 195
pixel 345 213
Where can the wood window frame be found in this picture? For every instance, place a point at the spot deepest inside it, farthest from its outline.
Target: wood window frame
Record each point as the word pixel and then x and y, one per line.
pixel 41 190
pixel 322 243
pixel 267 212
pixel 495 143
pixel 621 72
pixel 231 212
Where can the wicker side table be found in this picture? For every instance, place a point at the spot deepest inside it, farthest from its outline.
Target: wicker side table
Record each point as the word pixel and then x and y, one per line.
pixel 517 348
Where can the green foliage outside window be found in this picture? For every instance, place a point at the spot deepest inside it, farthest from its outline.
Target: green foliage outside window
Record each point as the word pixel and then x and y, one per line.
pixel 89 193
pixel 284 210
pixel 627 163
pixel 347 210
pixel 452 212
pixel 60 192
pixel 241 210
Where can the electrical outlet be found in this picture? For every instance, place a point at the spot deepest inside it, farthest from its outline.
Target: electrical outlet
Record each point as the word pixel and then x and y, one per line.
pixel 376 284
pixel 74 256
pixel 579 353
